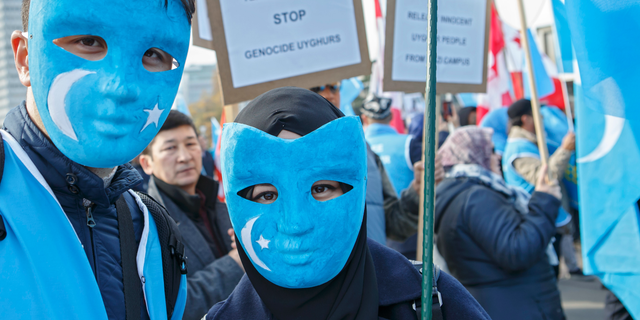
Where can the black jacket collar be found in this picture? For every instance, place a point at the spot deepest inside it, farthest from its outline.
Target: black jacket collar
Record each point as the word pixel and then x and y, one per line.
pixel 64 176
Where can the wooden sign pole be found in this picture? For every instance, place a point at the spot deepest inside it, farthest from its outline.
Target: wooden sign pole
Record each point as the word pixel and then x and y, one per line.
pixel 535 104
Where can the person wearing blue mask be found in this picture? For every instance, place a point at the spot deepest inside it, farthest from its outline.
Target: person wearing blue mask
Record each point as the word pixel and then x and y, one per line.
pixel 295 171
pixel 393 214
pixel 77 243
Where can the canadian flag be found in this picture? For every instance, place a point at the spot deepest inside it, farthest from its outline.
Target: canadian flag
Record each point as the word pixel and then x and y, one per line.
pixel 498 94
pixel 515 64
pixel 375 85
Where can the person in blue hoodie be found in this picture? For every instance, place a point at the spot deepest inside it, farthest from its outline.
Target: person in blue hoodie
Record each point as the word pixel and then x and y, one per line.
pixel 386 142
pixel 295 171
pixel 101 77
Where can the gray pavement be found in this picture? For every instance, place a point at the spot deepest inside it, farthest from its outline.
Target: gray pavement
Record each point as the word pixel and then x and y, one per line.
pixel 582 300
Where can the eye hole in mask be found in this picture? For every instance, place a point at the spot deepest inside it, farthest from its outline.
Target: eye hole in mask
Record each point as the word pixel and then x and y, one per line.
pixel 323 190
pixel 88 47
pixel 157 60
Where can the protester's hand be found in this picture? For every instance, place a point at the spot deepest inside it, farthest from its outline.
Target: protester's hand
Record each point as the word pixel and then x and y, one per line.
pixel 232 235
pixel 418 173
pixel 236 257
pixel 439 173
pixel 544 185
pixel 454 119
pixel 569 141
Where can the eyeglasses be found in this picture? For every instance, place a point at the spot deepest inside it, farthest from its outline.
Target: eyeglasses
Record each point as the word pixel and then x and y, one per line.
pixel 332 87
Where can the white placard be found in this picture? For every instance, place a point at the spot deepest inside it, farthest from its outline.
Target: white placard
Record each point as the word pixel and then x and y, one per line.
pixel 461 41
pixel 277 39
pixel 204 26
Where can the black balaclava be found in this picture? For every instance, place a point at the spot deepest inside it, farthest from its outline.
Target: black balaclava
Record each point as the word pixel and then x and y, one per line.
pixel 353 293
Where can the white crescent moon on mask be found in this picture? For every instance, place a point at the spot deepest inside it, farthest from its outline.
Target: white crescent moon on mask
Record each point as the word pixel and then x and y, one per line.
pixel 245 235
pixel 57 96
pixel 610 96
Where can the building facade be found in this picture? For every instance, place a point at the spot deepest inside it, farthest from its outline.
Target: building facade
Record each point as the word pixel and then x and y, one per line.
pixel 12 92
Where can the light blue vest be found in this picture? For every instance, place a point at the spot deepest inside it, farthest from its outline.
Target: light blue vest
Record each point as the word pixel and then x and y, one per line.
pixel 376 225
pixel 392 148
pixel 523 148
pixel 44 271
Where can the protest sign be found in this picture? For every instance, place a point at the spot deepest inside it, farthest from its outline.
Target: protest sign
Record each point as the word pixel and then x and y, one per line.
pixel 266 44
pixel 463 38
pixel 201 26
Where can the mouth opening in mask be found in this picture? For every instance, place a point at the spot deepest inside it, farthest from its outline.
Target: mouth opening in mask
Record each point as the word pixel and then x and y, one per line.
pixel 322 190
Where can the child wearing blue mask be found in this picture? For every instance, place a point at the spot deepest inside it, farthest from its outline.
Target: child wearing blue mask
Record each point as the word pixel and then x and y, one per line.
pixel 76 242
pixel 294 173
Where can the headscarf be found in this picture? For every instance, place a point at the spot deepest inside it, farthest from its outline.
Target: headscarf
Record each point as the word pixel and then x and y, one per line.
pixel 353 293
pixel 468 145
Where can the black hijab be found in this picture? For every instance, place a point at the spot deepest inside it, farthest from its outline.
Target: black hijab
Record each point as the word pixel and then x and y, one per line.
pixel 353 293
pixel 463 116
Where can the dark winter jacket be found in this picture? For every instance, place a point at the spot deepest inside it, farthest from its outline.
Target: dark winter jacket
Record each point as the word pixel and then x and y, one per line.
pixel 209 279
pixel 498 254
pixel 399 283
pixel 71 183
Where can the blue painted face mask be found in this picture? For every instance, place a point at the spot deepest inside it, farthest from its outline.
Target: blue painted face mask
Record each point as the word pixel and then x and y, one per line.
pixel 104 113
pixel 296 241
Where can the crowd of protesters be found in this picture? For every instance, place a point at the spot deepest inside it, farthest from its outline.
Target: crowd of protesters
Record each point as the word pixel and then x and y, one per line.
pixel 320 212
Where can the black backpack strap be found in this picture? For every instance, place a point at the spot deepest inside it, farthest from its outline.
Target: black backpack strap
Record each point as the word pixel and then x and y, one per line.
pixel 436 296
pixel 3 229
pixel 128 253
pixel 174 261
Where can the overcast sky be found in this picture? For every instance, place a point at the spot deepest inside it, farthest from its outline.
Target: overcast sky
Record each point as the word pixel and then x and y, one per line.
pixel 538 14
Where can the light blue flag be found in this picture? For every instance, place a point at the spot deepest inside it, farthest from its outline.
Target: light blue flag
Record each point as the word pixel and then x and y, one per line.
pixel 565 64
pixel 180 104
pixel 603 34
pixel 349 90
pixel 544 84
pixel 468 99
pixel 215 133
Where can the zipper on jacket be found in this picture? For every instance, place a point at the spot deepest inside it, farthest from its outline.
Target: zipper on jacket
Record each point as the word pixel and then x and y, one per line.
pixel 91 223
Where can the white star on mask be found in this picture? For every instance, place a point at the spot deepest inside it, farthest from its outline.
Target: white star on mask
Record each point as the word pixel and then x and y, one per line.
pixel 154 116
pixel 264 243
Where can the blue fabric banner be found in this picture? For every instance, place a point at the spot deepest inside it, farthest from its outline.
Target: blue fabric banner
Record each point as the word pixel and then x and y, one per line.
pixel 544 84
pixel 564 60
pixel 608 134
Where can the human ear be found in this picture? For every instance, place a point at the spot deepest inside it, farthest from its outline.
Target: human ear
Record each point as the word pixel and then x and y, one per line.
pixel 146 162
pixel 21 56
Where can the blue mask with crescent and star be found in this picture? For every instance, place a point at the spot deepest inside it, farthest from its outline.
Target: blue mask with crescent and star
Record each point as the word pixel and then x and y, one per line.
pixel 104 113
pixel 296 241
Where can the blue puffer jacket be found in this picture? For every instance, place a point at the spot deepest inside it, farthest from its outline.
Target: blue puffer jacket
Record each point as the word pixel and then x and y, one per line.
pixel 71 183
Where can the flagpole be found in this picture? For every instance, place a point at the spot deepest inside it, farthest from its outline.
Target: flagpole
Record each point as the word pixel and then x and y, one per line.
pixel 563 83
pixel 535 104
pixel 429 164
pixel 422 183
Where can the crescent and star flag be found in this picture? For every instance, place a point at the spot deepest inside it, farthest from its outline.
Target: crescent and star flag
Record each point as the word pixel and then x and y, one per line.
pixel 603 34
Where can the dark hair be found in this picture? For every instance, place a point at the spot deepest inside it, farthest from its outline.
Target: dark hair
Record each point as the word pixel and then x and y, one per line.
pixel 174 120
pixel 517 122
pixel 189 7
